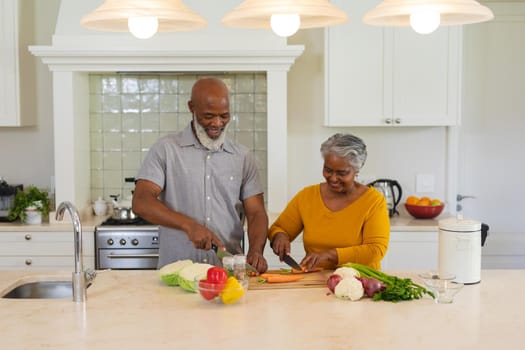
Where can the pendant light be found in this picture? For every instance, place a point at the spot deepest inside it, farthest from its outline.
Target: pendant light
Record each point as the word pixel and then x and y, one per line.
pixel 427 15
pixel 284 17
pixel 143 18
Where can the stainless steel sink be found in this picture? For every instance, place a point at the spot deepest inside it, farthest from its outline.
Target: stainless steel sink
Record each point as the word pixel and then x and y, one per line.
pixel 42 290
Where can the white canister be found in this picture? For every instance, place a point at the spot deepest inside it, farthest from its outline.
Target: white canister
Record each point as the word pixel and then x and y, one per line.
pixel 99 206
pixel 33 217
pixel 460 249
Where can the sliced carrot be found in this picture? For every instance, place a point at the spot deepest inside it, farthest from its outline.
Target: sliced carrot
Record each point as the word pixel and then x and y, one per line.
pixel 278 278
pixel 315 269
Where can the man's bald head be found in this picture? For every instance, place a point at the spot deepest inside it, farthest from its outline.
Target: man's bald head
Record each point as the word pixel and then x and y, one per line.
pixel 210 106
pixel 207 89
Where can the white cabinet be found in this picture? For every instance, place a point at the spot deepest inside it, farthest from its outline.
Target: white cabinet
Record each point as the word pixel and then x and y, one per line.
pixel 411 250
pixel 13 52
pixel 382 76
pixel 43 250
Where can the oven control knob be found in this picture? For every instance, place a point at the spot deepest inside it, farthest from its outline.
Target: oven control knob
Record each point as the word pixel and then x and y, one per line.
pixel 135 241
pixel 110 241
pixel 122 241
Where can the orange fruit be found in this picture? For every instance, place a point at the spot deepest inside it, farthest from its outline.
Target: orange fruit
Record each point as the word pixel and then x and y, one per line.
pixel 435 202
pixel 412 200
pixel 425 201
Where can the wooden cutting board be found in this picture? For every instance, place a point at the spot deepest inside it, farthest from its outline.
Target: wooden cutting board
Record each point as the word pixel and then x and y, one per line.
pixel 310 280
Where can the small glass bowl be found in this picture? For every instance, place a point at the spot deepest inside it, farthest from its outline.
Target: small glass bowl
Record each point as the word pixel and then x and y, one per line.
pixel 216 293
pixel 442 284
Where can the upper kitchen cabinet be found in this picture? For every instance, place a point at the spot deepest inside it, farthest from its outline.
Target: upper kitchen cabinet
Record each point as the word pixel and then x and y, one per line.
pixel 383 76
pixel 16 68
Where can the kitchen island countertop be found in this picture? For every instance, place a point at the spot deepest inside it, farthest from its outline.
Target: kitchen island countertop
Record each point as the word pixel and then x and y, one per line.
pixel 134 310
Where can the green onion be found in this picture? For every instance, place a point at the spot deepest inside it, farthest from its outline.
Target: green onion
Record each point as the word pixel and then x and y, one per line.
pixel 397 289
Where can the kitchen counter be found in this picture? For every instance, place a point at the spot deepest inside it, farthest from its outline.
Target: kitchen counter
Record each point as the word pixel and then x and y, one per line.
pixel 134 310
pixel 407 223
pixel 88 224
pixel 403 222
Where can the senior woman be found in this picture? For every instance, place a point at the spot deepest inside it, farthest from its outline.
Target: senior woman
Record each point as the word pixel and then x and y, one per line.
pixel 341 219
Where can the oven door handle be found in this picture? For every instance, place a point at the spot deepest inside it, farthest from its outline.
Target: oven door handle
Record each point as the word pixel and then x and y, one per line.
pixel 132 256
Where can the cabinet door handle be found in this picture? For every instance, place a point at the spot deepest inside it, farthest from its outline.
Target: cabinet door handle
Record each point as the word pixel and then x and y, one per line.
pixel 388 121
pixel 29 262
pixel 397 120
pixel 27 237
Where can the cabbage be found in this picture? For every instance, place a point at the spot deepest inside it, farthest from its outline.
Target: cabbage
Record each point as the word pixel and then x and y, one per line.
pixel 169 273
pixel 190 273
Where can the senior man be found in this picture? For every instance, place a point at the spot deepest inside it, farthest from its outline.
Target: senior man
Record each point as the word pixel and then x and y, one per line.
pixel 198 185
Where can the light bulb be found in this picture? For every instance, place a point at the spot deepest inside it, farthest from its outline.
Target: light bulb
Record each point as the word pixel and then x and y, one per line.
pixel 285 24
pixel 425 22
pixel 143 27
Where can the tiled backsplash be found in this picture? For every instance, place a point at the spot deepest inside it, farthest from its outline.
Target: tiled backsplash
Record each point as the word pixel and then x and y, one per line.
pixel 130 111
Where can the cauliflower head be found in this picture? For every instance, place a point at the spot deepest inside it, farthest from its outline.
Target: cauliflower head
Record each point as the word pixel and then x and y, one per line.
pixel 346 272
pixel 349 288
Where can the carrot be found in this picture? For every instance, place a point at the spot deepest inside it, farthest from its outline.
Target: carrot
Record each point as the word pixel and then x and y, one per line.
pixel 315 269
pixel 294 271
pixel 278 278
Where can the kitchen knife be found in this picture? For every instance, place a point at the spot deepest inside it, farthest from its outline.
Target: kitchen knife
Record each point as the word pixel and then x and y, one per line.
pixel 221 253
pixel 292 263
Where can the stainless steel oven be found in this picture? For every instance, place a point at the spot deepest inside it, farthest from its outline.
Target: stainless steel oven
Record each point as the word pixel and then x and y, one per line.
pixel 130 245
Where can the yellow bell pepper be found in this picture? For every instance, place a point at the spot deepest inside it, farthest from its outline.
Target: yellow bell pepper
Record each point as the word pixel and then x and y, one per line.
pixel 232 291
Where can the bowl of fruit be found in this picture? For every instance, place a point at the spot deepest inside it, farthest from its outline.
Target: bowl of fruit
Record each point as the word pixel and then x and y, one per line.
pixel 220 288
pixel 424 207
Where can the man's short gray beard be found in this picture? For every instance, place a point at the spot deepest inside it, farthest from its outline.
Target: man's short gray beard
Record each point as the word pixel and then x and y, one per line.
pixel 211 144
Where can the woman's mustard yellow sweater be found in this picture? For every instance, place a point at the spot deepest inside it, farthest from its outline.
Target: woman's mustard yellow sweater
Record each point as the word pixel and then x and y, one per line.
pixel 360 232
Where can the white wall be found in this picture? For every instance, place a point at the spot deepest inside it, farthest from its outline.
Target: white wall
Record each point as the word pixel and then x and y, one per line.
pixel 492 163
pixel 491 140
pixel 26 154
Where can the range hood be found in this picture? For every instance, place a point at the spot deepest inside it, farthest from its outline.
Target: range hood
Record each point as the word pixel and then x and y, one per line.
pixel 75 52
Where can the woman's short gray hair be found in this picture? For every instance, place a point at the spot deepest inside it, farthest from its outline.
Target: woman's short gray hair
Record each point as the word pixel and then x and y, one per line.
pixel 346 146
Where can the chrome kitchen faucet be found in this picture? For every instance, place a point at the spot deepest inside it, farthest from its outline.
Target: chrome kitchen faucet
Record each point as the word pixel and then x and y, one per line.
pixel 80 278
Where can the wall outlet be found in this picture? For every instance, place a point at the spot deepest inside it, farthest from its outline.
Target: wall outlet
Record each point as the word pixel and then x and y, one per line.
pixel 425 183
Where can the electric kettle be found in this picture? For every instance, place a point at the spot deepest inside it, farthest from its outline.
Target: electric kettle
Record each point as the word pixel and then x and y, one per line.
pixel 392 192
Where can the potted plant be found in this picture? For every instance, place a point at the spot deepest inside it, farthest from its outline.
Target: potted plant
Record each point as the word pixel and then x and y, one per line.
pixel 30 205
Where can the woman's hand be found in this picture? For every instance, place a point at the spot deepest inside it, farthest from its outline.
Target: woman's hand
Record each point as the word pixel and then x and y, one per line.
pixel 281 245
pixel 312 260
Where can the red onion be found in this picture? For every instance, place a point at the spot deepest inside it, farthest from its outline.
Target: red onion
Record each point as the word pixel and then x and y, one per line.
pixel 332 281
pixel 371 286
